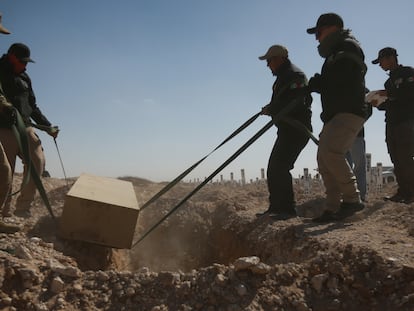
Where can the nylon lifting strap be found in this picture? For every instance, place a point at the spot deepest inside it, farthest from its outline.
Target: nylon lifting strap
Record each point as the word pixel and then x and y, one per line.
pixel 19 130
pixel 227 162
pixel 192 167
pixel 302 127
pixel 276 118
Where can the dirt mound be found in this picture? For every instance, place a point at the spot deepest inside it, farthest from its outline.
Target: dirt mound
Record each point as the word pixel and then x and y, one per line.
pixel 214 254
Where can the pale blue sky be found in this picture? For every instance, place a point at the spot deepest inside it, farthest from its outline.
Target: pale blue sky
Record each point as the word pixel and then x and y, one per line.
pixel 147 88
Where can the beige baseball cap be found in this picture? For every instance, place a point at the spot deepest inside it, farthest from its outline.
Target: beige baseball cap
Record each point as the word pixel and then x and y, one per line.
pixel 274 51
pixel 2 28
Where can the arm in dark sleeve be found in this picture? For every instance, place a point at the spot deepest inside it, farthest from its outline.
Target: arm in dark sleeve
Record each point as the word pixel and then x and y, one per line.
pixel 347 80
pixel 36 114
pixel 405 89
pixel 295 89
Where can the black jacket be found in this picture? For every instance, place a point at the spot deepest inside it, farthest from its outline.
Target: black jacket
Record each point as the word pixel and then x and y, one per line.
pixel 342 81
pixel 18 91
pixel 399 106
pixel 290 85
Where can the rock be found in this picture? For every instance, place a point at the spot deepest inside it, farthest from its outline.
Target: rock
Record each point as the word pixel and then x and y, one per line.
pixel 64 270
pixel 57 285
pixel 29 276
pixel 220 279
pixel 260 268
pixel 241 289
pixel 168 278
pixel 318 280
pixel 408 270
pixel 102 276
pixel 77 288
pixel 41 307
pixel 246 262
pixel 333 285
pixel 23 252
pixel 6 301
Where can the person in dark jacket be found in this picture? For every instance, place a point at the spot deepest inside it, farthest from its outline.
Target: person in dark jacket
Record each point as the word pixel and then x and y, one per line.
pixel 399 121
pixel 6 113
pixel 289 102
pixel 17 88
pixel 341 85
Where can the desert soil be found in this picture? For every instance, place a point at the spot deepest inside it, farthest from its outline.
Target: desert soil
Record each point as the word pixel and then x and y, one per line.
pixel 213 253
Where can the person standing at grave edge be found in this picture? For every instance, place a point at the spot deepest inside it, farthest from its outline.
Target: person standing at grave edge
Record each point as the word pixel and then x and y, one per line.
pixel 341 85
pixel 399 122
pixel 289 92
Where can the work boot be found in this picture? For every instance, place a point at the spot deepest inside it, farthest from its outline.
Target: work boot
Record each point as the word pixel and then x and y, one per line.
pixel 348 209
pixel 8 228
pixel 408 200
pixel 6 212
pixel 282 215
pixel 266 212
pixel 23 209
pixel 398 198
pixel 327 216
pixel 23 213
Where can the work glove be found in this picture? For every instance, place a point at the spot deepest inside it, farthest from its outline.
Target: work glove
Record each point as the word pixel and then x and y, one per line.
pixel 53 131
pixel 314 84
pixel 265 110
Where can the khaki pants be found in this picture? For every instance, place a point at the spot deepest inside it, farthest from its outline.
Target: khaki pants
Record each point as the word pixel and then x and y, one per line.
pixel 12 150
pixel 336 138
pixel 5 176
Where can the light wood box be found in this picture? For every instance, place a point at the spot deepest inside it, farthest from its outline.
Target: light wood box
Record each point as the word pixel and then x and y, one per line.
pixel 100 210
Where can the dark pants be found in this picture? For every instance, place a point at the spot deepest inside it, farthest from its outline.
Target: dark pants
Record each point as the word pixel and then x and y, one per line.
pixel 289 143
pixel 400 144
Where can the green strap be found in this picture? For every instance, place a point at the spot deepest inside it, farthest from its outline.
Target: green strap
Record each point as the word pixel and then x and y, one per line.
pixel 276 118
pixel 302 127
pixel 192 167
pixel 208 179
pixel 19 130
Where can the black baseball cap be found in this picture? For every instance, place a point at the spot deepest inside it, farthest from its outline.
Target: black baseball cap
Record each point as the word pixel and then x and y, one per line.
pixel 327 19
pixel 388 51
pixel 21 51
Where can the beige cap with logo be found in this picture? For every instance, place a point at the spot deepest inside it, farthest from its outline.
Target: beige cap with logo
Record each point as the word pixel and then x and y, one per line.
pixel 274 51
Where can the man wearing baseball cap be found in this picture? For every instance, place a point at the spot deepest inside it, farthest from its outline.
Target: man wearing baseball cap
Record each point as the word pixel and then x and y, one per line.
pixel 289 93
pixel 6 116
pixel 17 87
pixel 341 85
pixel 399 122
